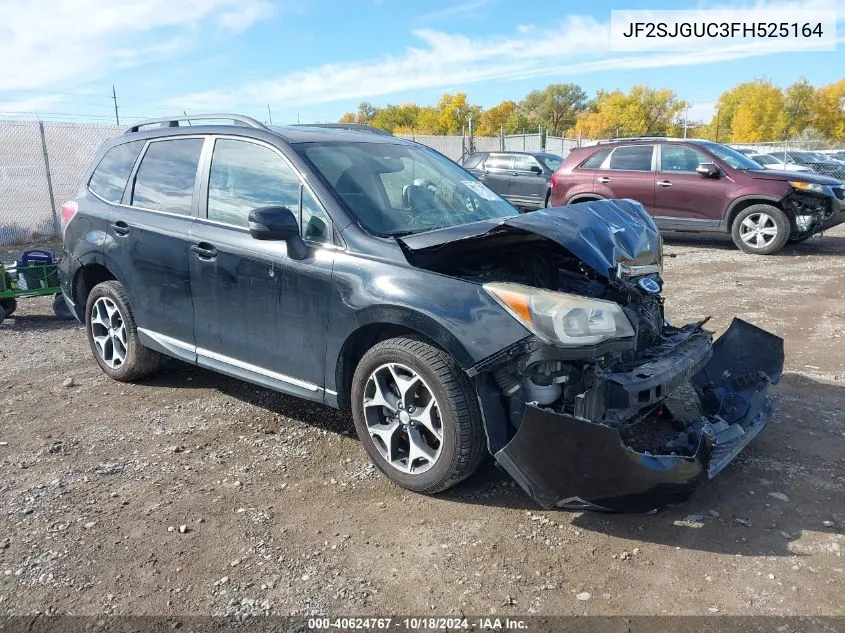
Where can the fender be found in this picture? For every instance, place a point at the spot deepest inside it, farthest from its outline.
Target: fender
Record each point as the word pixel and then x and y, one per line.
pixel 725 223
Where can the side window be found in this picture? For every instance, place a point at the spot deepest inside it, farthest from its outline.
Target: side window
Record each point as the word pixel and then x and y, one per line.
pixel 524 163
pixel 165 178
pixel 314 223
pixel 632 158
pixel 680 158
pixel 472 161
pixel 499 162
pixel 245 176
pixel 109 178
pixel 595 161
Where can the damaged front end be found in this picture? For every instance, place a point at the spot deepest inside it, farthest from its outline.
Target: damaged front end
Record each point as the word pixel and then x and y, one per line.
pixel 605 405
pixel 621 446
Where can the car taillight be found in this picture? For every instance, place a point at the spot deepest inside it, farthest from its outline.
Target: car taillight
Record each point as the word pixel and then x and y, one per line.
pixel 554 180
pixel 69 210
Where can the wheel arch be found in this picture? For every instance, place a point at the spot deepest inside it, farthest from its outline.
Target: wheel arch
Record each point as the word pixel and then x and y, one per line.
pixel 746 201
pixel 92 271
pixel 585 197
pixel 384 323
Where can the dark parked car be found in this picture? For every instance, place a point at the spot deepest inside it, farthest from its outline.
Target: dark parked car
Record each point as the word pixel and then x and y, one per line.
pixel 522 178
pixel 701 186
pixel 364 271
pixel 816 161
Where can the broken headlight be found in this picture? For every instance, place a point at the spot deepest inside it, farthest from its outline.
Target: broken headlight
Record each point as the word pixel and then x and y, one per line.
pixel 560 318
pixel 811 186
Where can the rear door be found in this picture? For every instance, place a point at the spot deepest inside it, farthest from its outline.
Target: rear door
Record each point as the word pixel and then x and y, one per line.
pixel 260 315
pixel 628 172
pixel 527 186
pixel 497 173
pixel 148 240
pixel 682 194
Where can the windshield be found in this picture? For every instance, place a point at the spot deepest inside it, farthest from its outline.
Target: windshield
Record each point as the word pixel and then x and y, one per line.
pixel 804 157
pixel 764 160
pixel 551 162
pixel 397 189
pixel 733 158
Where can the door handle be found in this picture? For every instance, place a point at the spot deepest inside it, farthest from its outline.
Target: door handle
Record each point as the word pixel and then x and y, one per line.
pixel 604 180
pixel 204 250
pixel 664 183
pixel 120 228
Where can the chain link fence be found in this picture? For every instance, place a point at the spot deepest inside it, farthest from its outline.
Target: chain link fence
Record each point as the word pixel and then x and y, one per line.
pixel 791 154
pixel 41 163
pixel 40 167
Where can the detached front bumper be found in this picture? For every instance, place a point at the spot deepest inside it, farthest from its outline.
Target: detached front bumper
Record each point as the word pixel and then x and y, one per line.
pixel 567 461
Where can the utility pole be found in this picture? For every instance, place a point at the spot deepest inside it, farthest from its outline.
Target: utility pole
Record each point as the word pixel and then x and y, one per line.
pixel 270 114
pixel 686 114
pixel 297 118
pixel 114 97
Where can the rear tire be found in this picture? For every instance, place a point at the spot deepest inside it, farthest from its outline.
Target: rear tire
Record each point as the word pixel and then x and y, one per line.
pixel 760 229
pixel 60 308
pixel 9 306
pixel 113 335
pixel 428 436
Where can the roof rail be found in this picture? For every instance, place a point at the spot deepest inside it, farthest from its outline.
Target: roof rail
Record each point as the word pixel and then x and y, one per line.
pixel 174 121
pixel 641 138
pixel 360 127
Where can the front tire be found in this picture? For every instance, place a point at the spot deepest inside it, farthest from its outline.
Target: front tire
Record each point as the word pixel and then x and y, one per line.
pixel 760 229
pixel 113 335
pixel 417 415
pixel 9 306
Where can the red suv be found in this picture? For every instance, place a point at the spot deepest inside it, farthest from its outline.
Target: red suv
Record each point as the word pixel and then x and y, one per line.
pixel 701 186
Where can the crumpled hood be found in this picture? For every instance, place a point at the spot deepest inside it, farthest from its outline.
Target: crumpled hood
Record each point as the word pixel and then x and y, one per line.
pixel 801 176
pixel 601 234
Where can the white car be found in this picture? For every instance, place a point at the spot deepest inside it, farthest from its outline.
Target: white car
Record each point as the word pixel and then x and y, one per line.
pixel 770 162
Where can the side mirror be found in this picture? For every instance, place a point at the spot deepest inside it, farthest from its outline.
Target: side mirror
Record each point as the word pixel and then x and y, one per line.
pixel 278 223
pixel 708 170
pixel 536 169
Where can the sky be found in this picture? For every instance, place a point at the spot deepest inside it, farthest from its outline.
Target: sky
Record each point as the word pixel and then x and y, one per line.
pixel 312 61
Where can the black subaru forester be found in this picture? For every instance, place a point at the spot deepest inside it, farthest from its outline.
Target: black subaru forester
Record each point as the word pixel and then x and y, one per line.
pixel 346 266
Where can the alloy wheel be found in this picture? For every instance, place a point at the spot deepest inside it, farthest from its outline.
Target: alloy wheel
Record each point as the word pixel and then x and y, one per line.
pixel 758 230
pixel 108 330
pixel 403 418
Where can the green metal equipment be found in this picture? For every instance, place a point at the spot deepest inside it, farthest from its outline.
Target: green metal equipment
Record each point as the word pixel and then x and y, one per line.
pixel 35 274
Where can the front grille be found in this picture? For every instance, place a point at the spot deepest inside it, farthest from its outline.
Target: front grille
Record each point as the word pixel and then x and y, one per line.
pixel 839 192
pixel 649 331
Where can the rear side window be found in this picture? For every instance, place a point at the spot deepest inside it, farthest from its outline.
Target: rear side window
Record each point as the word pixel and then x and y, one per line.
pixel 472 161
pixel 595 161
pixel 633 158
pixel 109 178
pixel 165 178
pixel 499 162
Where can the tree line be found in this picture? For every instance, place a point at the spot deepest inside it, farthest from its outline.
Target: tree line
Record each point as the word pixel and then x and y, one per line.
pixel 753 111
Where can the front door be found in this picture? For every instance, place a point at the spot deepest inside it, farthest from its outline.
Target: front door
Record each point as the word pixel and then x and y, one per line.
pixel 150 231
pixel 681 193
pixel 260 315
pixel 527 186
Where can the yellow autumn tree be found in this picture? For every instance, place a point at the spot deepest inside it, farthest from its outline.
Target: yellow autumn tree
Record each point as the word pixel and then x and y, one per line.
pixel 829 116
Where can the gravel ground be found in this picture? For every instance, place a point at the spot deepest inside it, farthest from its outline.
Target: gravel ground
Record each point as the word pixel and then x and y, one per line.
pixel 192 493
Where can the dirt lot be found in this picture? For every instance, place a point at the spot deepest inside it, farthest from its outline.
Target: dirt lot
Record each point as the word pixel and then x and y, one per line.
pixel 192 493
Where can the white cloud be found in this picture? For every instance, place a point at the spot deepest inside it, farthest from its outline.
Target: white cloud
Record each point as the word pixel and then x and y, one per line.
pixel 468 6
pixel 28 106
pixel 48 42
pixel 701 112
pixel 578 45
